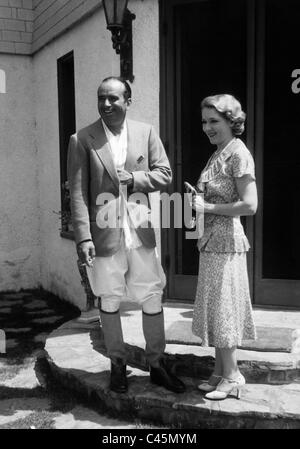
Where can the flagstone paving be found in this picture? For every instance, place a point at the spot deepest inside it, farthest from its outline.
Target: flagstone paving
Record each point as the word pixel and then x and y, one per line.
pixel 41 312
pixel 6 310
pixel 18 330
pixel 46 320
pixel 37 304
pixel 29 397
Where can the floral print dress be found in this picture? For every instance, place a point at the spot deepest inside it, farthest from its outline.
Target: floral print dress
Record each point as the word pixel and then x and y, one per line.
pixel 222 312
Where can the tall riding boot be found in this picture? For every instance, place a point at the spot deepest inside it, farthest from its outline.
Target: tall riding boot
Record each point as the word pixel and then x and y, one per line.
pixel 113 338
pixel 154 332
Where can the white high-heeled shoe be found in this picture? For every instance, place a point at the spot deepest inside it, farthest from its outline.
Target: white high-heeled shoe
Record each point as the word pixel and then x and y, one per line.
pixel 210 384
pixel 227 387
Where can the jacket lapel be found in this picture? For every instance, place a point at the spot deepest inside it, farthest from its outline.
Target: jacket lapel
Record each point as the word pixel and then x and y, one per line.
pixel 133 154
pixel 103 151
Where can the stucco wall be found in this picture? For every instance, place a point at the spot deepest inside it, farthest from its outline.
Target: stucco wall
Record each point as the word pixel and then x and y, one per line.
pixel 19 217
pixel 94 60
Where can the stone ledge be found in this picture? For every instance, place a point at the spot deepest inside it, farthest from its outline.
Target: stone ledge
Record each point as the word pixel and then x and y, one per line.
pixel 189 361
pixel 76 357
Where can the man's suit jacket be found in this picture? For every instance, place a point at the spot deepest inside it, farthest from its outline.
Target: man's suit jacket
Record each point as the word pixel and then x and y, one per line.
pixel 95 187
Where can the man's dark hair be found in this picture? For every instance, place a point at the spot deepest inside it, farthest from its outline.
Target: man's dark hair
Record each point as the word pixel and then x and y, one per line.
pixel 127 91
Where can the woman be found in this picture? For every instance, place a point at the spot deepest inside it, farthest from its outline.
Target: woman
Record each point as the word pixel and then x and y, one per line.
pixel 222 313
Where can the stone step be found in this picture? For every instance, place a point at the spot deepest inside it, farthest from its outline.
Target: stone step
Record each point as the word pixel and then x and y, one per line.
pixel 75 356
pixel 196 361
pixel 273 368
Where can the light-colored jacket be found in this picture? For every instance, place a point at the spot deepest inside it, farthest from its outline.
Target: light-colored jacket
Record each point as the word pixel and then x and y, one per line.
pixel 91 172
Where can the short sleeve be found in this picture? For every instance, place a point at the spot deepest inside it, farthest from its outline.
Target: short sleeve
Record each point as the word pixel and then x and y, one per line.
pixel 242 163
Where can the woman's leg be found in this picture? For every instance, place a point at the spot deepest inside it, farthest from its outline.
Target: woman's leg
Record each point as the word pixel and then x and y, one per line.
pixel 233 381
pixel 218 369
pixel 216 375
pixel 229 362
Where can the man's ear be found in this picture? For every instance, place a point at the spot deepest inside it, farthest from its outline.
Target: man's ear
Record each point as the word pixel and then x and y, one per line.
pixel 128 102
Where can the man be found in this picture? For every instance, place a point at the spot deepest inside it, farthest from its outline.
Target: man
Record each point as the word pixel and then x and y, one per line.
pixel 105 161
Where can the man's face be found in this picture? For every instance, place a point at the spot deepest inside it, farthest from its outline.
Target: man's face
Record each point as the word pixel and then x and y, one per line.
pixel 112 105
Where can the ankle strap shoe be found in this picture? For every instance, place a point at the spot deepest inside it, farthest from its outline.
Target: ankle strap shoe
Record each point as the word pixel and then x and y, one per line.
pixel 228 387
pixel 211 384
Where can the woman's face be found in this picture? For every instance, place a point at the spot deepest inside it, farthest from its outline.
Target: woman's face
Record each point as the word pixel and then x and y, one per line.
pixel 216 127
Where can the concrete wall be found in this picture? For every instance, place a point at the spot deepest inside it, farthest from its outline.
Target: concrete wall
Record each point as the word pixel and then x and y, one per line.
pixel 94 60
pixel 19 217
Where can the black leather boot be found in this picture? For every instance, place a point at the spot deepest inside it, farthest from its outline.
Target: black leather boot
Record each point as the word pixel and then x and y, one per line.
pixel 154 333
pixel 118 379
pixel 113 335
pixel 162 376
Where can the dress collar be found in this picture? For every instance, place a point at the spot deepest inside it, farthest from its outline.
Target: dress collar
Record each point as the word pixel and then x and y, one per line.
pixel 216 162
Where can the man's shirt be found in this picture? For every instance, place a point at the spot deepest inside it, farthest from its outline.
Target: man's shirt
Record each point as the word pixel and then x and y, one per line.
pixel 118 145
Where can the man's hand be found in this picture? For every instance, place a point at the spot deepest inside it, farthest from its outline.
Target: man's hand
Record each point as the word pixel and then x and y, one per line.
pixel 125 178
pixel 86 253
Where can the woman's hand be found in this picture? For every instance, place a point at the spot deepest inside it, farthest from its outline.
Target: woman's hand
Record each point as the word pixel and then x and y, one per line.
pixel 198 203
pixel 247 204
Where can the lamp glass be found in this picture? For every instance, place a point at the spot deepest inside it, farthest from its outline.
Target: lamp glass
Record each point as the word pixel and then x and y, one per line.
pixel 114 12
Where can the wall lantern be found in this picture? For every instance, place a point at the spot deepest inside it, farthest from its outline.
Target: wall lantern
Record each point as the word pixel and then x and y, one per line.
pixel 119 23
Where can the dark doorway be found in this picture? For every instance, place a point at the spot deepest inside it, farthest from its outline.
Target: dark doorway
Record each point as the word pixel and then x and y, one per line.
pixel 67 126
pixel 250 49
pixel 213 60
pixel 207 41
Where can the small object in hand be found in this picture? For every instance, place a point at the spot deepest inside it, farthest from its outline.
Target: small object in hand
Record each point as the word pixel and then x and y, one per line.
pixel 192 223
pixel 189 188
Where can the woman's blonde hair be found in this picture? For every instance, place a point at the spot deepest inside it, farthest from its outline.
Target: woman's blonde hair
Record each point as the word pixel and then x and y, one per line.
pixel 230 108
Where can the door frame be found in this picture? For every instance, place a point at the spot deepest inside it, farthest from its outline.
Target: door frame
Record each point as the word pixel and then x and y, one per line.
pixel 169 116
pixel 268 292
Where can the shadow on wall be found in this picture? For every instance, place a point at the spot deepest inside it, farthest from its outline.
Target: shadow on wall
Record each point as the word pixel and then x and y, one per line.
pixel 2 82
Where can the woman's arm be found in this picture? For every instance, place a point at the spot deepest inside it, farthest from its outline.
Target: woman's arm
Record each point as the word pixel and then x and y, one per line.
pixel 247 205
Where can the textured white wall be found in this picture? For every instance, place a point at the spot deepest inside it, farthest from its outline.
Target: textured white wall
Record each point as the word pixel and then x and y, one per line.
pixel 19 217
pixel 145 106
pixel 94 60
